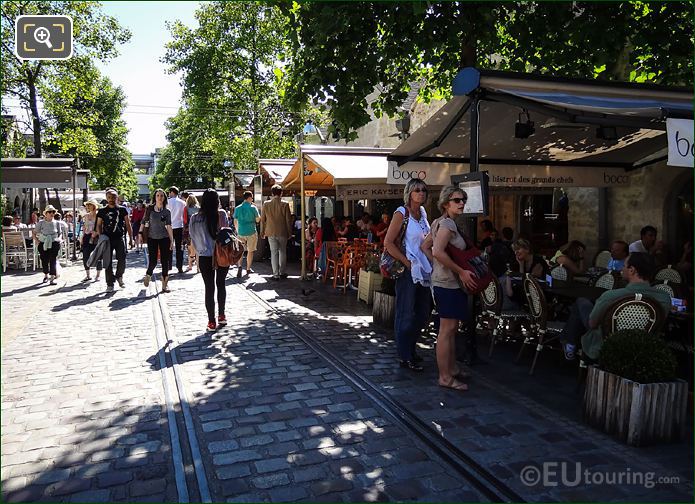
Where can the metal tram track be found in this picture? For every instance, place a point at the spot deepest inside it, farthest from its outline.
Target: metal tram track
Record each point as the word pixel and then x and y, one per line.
pixel 491 487
pixel 189 470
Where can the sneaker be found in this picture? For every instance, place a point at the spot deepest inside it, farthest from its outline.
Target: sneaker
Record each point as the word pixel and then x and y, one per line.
pixel 284 275
pixel 275 277
pixel 109 288
pixel 53 280
pixel 221 321
pixel 569 350
pixel 121 283
pixel 146 280
pixel 413 366
pixel 249 271
pixel 212 327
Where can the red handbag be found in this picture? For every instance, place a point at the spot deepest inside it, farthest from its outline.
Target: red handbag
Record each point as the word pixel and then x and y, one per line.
pixel 471 260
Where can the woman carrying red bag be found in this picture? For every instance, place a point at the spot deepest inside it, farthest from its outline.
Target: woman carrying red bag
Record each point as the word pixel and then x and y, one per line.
pixel 447 278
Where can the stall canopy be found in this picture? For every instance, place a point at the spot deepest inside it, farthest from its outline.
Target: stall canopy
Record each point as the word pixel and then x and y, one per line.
pixel 276 169
pixel 577 123
pixel 50 173
pixel 330 166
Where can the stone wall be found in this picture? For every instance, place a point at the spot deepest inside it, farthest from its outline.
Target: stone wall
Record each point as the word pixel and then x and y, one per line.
pixel 583 218
pixel 643 202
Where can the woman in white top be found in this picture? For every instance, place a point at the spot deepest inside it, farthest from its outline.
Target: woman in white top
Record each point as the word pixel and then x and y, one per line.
pixel 447 281
pixel 48 233
pixel 413 297
pixel 89 238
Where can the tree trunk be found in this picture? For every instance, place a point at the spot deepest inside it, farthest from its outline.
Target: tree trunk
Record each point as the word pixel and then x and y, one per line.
pixel 468 16
pixel 36 121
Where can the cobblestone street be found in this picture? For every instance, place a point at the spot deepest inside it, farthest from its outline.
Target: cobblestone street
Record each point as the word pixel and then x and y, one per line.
pixel 85 415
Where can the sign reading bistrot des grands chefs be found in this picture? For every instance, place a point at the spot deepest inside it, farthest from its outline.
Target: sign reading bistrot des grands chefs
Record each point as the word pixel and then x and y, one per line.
pixel 512 176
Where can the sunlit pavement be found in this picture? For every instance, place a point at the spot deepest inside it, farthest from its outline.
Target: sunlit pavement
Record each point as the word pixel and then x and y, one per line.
pixel 84 416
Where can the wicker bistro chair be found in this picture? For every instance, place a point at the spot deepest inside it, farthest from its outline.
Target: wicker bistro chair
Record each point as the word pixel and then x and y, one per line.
pixel 633 312
pixel 672 289
pixel 544 332
pixel 496 320
pixel 602 259
pixel 608 281
pixel 670 274
pixel 560 273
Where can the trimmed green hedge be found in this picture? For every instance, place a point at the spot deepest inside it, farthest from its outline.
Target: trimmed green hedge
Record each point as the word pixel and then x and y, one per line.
pixel 638 356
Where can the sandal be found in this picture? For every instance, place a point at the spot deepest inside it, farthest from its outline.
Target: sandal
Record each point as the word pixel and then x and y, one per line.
pixel 455 385
pixel 462 375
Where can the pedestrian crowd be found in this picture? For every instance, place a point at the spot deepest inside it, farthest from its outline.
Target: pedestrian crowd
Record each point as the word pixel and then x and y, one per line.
pixel 432 272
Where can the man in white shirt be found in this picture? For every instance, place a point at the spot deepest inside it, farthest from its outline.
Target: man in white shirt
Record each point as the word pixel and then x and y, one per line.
pixel 646 242
pixel 176 206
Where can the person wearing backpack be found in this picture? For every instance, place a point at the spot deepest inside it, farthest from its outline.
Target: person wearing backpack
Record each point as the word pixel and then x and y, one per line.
pixel 203 228
pixel 447 281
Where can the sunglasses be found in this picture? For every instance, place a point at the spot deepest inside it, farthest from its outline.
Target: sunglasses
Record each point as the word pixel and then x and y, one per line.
pixel 458 200
pixel 419 190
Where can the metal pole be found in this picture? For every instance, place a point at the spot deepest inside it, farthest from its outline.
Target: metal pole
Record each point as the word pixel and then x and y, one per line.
pixel 302 166
pixel 74 209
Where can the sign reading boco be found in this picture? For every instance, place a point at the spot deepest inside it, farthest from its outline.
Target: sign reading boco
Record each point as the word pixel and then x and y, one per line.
pixel 681 148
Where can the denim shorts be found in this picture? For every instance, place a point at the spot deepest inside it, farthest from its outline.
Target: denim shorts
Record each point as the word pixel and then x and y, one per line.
pixel 451 303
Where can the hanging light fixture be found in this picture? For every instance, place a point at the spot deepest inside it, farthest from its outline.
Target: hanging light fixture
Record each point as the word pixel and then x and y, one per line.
pixel 524 129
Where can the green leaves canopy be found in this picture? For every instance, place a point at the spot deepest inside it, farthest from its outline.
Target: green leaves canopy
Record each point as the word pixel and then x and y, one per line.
pixel 343 52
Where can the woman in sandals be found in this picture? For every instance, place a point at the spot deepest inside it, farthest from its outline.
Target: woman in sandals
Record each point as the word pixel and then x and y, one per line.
pixel 89 239
pixel 160 238
pixel 447 281
pixel 413 297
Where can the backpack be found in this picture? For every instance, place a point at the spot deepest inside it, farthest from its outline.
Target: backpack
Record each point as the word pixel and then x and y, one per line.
pixel 228 248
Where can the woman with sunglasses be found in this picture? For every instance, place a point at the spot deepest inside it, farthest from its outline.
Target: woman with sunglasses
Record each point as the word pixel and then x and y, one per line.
pixel 48 233
pixel 447 281
pixel 160 237
pixel 412 287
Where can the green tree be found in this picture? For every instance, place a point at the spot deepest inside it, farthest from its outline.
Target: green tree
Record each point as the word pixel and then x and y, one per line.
pixel 86 121
pixel 232 66
pixel 95 36
pixel 343 52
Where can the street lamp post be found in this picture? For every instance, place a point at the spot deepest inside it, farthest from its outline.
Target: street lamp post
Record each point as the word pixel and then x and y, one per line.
pixel 229 166
pixel 74 210
pixel 309 130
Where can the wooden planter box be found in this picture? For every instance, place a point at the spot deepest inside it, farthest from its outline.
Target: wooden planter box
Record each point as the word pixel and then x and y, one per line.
pixel 368 283
pixel 384 310
pixel 635 413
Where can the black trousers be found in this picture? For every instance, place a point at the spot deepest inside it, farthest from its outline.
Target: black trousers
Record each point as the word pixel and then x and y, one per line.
pixel 117 245
pixel 178 241
pixel 162 245
pixel 213 277
pixel 49 258
pixel 87 248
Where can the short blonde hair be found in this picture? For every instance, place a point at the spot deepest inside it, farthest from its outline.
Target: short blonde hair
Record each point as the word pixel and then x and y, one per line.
pixel 445 195
pixel 412 184
pixel 191 201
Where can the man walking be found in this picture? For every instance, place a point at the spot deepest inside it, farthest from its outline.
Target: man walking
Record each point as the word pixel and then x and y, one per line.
pixel 176 206
pixel 246 217
pixel 113 222
pixel 276 225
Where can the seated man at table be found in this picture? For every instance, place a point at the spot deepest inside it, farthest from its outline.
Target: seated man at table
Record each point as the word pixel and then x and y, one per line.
pixel 585 318
pixel 646 242
pixel 619 252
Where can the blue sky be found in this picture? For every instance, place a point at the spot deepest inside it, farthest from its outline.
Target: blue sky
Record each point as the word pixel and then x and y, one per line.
pixel 153 95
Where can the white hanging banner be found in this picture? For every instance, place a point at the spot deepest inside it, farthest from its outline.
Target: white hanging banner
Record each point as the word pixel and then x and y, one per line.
pixel 681 148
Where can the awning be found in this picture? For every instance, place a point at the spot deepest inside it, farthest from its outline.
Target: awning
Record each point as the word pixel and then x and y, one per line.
pixel 51 173
pixel 566 114
pixel 276 169
pixel 329 166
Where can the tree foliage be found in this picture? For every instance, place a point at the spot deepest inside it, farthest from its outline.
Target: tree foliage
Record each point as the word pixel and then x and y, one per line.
pixel 232 67
pixel 342 52
pixel 58 85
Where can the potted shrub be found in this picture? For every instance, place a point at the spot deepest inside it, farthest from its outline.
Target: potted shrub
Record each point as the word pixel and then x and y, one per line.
pixel 384 309
pixel 633 394
pixel 370 278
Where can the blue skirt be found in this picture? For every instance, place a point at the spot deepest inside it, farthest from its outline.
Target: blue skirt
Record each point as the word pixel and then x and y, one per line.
pixel 451 303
